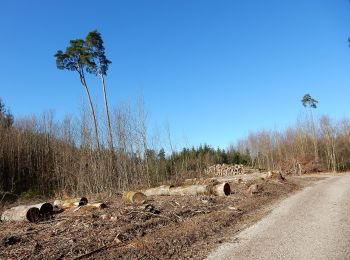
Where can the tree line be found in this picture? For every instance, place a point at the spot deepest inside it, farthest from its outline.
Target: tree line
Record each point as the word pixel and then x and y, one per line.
pixel 311 145
pixel 43 156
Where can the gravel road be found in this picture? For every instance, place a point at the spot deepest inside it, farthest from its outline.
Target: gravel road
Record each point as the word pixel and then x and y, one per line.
pixel 312 224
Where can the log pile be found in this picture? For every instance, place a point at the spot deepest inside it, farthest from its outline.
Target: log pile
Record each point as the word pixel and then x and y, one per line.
pixel 224 170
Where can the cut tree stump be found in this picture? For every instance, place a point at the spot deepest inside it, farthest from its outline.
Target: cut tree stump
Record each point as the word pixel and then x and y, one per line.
pixel 137 198
pixel 252 190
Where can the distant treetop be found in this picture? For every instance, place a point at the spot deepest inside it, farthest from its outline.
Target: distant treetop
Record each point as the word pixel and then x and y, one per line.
pixel 308 101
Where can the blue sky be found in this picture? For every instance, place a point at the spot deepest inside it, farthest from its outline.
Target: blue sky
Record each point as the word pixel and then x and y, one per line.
pixel 214 70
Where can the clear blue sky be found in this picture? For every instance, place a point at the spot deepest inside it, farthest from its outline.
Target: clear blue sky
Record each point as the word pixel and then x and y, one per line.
pixel 215 70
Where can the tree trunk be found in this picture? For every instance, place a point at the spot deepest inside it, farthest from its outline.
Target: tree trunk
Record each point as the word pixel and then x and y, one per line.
pixel 221 189
pixel 83 82
pixel 163 190
pixel 32 213
pixel 217 189
pixel 110 139
pixel 314 138
pixel 21 213
pixel 189 190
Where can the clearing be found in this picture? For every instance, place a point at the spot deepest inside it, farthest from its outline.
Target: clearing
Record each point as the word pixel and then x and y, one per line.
pixel 176 227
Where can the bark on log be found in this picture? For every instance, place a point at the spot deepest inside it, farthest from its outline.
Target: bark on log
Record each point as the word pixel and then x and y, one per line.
pixel 221 189
pixel 22 213
pixel 214 188
pixel 137 198
pixel 189 190
pixel 44 208
pixel 71 203
pixel 163 190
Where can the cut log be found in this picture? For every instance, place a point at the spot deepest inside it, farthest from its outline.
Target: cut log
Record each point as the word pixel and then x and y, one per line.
pixel 217 189
pixel 137 198
pixel 221 189
pixel 189 190
pixel 22 213
pixel 44 208
pixel 163 190
pixel 71 203
pixel 212 187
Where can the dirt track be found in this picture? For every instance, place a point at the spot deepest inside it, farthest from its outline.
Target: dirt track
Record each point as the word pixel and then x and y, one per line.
pixel 313 224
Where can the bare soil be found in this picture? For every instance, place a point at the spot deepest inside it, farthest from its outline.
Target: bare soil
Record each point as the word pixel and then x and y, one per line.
pixel 165 228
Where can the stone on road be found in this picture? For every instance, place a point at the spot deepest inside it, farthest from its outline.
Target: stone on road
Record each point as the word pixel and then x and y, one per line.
pixel 312 224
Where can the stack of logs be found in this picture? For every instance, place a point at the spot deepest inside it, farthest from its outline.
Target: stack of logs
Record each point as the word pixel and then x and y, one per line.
pixel 224 170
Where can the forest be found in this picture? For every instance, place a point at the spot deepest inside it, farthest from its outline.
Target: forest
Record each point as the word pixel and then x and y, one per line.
pixel 43 156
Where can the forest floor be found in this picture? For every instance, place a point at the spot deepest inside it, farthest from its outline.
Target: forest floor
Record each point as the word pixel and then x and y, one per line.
pixel 176 227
